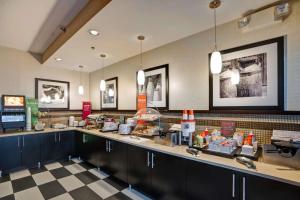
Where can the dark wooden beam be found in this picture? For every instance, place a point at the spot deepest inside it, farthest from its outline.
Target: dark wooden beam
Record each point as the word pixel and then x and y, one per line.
pixel 87 13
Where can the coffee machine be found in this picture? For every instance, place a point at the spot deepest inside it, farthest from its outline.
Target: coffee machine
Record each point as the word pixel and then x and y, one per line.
pixel 13 112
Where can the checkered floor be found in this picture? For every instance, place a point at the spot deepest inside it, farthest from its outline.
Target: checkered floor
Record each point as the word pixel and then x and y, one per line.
pixel 65 181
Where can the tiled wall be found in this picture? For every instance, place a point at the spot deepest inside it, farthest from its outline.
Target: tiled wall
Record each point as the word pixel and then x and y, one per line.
pixel 262 125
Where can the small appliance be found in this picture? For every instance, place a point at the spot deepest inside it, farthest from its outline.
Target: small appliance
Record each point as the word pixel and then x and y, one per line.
pixel 13 112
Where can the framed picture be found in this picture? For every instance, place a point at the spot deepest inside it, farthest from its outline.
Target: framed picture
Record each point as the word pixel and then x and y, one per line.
pixel 109 97
pixel 156 87
pixel 252 78
pixel 52 94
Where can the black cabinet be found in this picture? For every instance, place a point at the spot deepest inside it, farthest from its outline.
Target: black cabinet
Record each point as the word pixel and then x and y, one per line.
pixel 89 147
pixel 57 146
pixel 168 176
pixel 19 151
pixel 65 144
pixel 259 188
pixel 139 170
pixel 114 159
pixel 10 153
pixel 159 175
pixel 30 150
pixel 208 182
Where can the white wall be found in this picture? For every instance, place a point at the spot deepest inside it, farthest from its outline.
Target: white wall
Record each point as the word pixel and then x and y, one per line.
pixel 188 65
pixel 18 69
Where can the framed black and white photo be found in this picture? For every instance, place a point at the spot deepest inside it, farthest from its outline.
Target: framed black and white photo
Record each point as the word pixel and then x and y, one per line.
pixel 109 97
pixel 252 78
pixel 52 94
pixel 156 87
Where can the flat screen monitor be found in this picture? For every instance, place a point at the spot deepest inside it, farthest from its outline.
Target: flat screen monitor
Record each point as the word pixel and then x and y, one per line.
pixel 13 101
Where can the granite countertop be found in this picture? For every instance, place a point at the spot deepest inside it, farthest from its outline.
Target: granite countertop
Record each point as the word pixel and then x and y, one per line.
pixel 274 172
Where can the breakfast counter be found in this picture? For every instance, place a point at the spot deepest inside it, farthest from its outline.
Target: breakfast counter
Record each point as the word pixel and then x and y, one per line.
pixel 273 172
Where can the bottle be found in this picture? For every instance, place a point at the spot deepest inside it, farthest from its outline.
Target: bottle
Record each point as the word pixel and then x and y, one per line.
pixel 185 115
pixel 191 115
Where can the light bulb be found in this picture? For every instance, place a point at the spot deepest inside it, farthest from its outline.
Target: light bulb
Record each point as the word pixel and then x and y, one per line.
pixel 216 62
pixel 141 77
pixel 111 92
pixel 102 85
pixel 80 90
pixel 235 77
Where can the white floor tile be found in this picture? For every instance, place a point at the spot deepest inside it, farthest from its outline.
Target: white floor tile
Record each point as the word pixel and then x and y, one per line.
pixel 70 183
pixel 103 189
pixel 135 195
pixel 75 168
pixel 76 160
pixel 42 178
pixel 99 174
pixel 65 196
pixel 54 165
pixel 5 189
pixel 19 174
pixel 32 193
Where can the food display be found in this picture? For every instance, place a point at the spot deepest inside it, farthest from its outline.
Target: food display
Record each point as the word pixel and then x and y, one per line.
pixel 148 122
pixel 213 142
pixel 146 130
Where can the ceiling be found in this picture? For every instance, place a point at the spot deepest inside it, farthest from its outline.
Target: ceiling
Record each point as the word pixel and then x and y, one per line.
pixel 31 25
pixel 119 23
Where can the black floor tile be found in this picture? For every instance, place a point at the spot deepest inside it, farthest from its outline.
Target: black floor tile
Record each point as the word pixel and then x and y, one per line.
pixel 51 189
pixel 86 165
pixel 87 177
pixel 9 197
pixel 4 179
pixel 60 172
pixel 37 170
pixel 67 162
pixel 23 184
pixel 84 193
pixel 119 196
pixel 118 184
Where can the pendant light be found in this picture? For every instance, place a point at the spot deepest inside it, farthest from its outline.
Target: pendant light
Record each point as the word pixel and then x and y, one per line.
pixel 102 82
pixel 80 87
pixel 216 58
pixel 141 74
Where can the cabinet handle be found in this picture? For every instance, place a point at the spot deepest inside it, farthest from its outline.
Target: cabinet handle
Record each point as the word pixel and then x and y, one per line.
pixel 18 141
pixel 23 141
pixel 148 159
pixel 233 185
pixel 55 137
pixel 152 160
pixel 59 137
pixel 244 188
pixel 106 146
pixel 83 138
pixel 109 146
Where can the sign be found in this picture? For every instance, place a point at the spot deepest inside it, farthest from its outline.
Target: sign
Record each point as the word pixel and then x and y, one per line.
pixel 86 109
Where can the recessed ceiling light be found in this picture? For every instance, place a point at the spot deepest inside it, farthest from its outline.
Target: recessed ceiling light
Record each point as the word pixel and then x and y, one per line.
pixel 94 32
pixel 58 59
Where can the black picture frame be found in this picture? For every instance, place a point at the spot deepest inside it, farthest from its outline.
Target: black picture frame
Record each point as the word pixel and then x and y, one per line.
pixel 54 81
pixel 117 98
pixel 166 67
pixel 280 80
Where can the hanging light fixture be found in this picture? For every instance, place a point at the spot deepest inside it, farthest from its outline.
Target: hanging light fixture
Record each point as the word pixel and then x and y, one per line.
pixel 102 82
pixel 216 58
pixel 80 87
pixel 235 77
pixel 141 74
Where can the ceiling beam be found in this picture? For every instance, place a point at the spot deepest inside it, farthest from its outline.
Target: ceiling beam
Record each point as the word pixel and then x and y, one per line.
pixel 87 13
